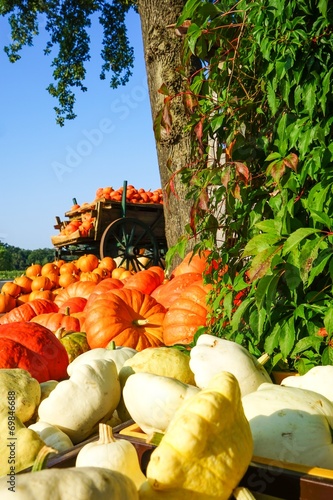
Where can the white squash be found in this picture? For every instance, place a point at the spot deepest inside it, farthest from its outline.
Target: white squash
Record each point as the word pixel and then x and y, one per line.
pixel 20 392
pixel 152 400
pixel 118 354
pixel 79 483
pixel 115 454
pixel 318 379
pixel 78 404
pixel 212 355
pixel 291 425
pixel 52 436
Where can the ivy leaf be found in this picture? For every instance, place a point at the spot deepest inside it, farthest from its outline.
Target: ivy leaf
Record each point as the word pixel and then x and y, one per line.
pixel 307 343
pixel 237 317
pixel 328 320
pixel 327 357
pixel 322 218
pixel 291 161
pixel 287 337
pixel 259 243
pixel 262 262
pixel 296 237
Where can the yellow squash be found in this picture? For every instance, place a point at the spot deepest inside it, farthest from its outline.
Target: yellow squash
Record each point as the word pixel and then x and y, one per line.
pixel 206 449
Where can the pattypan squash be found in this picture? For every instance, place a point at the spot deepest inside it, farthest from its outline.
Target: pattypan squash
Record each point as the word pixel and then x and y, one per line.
pixel 52 436
pixel 19 446
pixel 318 379
pixel 290 424
pixel 20 390
pixel 153 408
pixel 79 483
pixel 207 446
pixel 211 355
pixel 165 361
pixel 118 354
pixel 111 453
pixel 78 404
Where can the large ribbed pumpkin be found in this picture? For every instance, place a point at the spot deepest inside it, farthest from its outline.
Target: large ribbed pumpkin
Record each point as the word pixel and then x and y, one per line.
pixel 34 348
pixel 146 280
pixel 128 317
pixel 186 314
pixel 196 263
pixel 25 312
pixel 77 289
pixel 168 292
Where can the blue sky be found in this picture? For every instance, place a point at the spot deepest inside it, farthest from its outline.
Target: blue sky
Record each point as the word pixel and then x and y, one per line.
pixel 44 166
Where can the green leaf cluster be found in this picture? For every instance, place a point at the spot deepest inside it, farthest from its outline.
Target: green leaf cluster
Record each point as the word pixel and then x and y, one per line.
pixel 68 23
pixel 264 161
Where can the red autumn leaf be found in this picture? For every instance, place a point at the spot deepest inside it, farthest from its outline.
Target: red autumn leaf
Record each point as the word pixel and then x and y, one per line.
pixel 225 177
pixel 166 121
pixel 190 102
pixel 163 89
pixel 242 172
pixel 229 149
pixel 198 130
pixel 291 161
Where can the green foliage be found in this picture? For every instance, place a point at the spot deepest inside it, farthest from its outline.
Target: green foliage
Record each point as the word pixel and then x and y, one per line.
pixel 15 259
pixel 68 24
pixel 261 179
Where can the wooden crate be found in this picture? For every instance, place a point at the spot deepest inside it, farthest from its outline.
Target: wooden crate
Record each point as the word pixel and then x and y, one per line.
pixel 266 479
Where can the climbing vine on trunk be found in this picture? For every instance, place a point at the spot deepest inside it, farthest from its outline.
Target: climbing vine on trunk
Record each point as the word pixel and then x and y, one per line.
pixel 260 111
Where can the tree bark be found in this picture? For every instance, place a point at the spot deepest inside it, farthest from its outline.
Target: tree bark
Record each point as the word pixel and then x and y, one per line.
pixel 162 49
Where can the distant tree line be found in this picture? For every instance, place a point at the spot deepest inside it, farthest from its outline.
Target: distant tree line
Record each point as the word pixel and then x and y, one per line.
pixel 17 259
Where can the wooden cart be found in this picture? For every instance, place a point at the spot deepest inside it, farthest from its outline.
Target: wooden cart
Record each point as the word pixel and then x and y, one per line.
pixel 133 234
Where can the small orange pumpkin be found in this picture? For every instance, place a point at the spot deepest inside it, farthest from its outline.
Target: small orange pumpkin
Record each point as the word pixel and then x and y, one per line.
pixel 7 303
pixel 24 282
pixel 33 270
pixel 41 283
pixel 11 288
pixel 87 262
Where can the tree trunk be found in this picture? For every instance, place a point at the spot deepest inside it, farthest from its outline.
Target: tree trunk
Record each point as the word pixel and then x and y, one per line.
pixel 162 48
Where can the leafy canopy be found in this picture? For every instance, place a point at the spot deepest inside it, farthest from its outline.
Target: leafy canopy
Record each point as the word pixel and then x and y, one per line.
pixel 68 23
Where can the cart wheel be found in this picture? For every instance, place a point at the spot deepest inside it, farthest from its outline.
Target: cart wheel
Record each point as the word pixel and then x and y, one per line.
pixel 132 243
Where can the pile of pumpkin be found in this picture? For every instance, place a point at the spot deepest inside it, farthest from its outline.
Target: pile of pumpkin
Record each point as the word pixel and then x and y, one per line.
pixel 212 406
pixel 88 303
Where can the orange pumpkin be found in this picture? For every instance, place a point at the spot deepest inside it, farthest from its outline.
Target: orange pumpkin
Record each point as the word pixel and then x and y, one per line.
pixel 48 268
pixel 126 316
pixel 196 263
pixel 73 304
pixel 66 279
pixel 146 281
pixel 90 276
pixel 34 348
pixel 186 314
pixel 24 282
pixel 25 312
pixel 77 289
pixel 104 286
pixel 69 267
pixel 41 283
pixel 7 303
pixel 33 270
pixel 11 288
pixel 55 320
pixel 87 262
pixel 168 292
pixel 41 294
pixel 107 263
